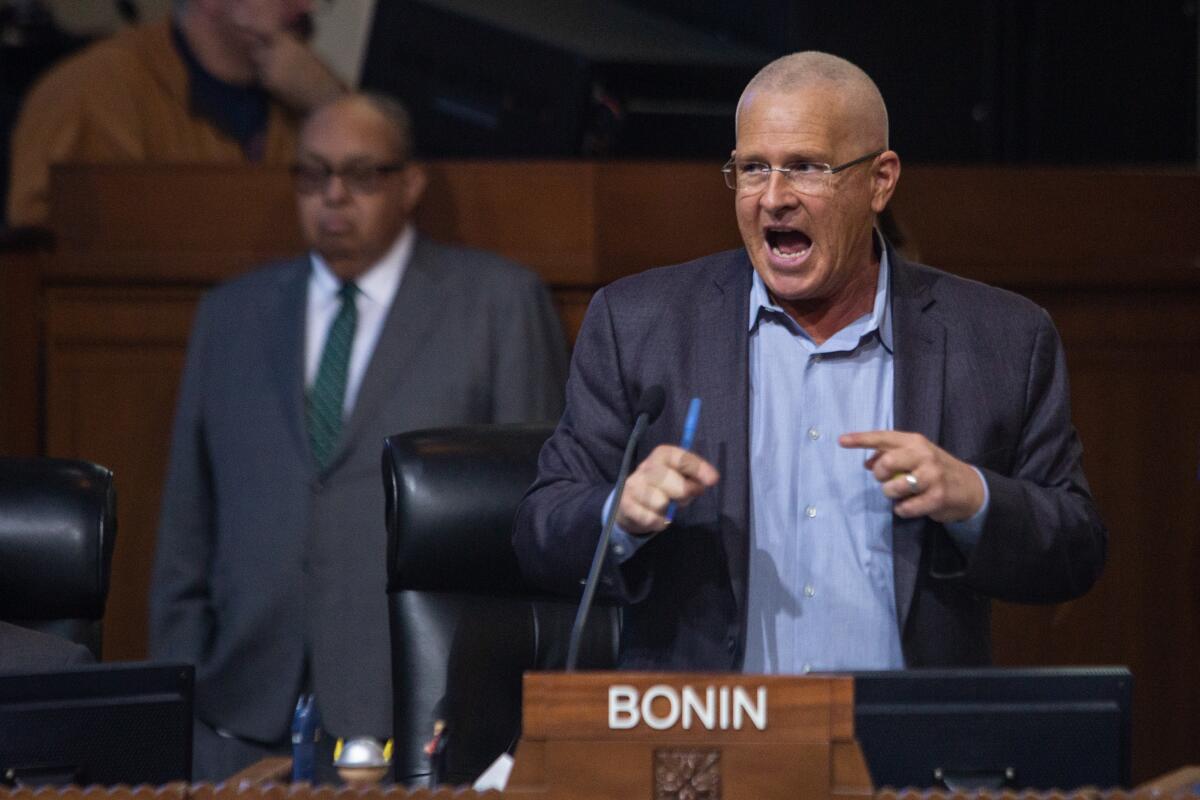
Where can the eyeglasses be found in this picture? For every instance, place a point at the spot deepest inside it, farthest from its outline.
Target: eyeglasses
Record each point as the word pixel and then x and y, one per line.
pixel 805 177
pixel 357 178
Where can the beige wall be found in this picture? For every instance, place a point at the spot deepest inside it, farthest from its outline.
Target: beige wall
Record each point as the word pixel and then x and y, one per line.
pixel 342 29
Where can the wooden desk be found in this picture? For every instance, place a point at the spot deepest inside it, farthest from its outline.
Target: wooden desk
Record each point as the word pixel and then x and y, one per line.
pixel 281 791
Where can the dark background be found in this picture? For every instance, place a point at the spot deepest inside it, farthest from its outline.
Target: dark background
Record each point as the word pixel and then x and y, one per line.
pixel 987 81
pixel 981 82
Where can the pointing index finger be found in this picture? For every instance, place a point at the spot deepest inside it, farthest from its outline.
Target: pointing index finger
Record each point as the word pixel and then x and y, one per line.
pixel 874 440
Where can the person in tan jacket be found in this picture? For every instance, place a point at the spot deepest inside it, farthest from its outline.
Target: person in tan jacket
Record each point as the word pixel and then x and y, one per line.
pixel 222 81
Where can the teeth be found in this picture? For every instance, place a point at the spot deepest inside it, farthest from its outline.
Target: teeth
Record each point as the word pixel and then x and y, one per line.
pixel 775 249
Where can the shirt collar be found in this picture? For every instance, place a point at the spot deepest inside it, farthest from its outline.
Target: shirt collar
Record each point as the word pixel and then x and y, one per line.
pixel 881 314
pixel 379 283
pixel 880 318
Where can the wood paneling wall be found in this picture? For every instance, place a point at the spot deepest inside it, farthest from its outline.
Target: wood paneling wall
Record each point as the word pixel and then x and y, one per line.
pixel 1115 258
pixel 114 357
pixel 98 329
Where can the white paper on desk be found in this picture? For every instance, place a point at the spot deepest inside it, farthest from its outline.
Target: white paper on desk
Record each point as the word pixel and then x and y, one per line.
pixel 495 776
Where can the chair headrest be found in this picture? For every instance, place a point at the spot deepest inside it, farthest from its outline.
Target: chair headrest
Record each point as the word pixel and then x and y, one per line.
pixel 57 530
pixel 452 494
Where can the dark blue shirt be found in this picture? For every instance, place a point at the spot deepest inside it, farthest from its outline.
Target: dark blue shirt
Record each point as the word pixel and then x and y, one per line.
pixel 240 112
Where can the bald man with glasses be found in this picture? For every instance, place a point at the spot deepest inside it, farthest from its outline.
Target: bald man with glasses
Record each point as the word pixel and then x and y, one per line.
pixel 883 448
pixel 269 572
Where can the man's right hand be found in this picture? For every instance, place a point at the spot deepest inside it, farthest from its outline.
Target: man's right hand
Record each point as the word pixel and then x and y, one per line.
pixel 668 474
pixel 292 73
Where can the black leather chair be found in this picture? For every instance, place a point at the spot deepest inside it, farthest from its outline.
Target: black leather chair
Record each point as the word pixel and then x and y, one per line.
pixel 464 624
pixel 57 530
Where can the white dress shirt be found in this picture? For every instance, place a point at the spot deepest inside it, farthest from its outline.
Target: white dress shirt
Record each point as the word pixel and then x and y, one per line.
pixel 376 290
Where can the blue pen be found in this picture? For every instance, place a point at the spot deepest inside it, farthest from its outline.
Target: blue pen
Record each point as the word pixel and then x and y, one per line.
pixel 689 435
pixel 306 732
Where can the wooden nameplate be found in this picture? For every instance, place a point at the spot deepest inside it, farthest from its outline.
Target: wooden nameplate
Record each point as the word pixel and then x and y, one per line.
pixel 688 735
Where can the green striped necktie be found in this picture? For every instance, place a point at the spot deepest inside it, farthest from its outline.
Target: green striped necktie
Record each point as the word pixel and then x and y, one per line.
pixel 328 392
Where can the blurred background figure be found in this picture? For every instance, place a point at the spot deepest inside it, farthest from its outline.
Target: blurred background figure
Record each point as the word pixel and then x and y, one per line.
pixel 23 650
pixel 269 572
pixel 220 81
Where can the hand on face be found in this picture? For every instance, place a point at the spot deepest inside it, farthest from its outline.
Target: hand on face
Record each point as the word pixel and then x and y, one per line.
pixel 947 490
pixel 292 73
pixel 283 63
pixel 261 21
pixel 668 474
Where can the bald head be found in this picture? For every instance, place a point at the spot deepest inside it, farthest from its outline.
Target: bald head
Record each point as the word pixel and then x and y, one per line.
pixel 389 110
pixel 859 103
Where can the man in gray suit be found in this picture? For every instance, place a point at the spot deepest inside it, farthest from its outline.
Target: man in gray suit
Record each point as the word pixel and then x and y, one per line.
pixel 883 447
pixel 269 572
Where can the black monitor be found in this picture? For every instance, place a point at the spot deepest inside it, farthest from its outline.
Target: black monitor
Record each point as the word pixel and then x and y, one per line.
pixel 995 728
pixel 99 724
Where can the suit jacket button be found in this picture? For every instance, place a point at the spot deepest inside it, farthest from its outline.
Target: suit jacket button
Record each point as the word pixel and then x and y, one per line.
pixel 731 643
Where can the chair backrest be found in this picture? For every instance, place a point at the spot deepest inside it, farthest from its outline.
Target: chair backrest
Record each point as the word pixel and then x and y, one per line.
pixel 57 531
pixel 464 624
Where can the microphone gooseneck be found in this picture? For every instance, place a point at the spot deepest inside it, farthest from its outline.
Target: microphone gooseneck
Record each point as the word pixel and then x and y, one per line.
pixel 650 405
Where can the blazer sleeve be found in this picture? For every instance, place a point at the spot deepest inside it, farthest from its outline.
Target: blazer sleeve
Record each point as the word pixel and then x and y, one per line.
pixel 1043 539
pixel 558 522
pixel 181 619
pixel 530 355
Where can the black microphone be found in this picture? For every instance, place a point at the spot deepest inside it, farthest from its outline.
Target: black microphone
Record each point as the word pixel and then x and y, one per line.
pixel 649 406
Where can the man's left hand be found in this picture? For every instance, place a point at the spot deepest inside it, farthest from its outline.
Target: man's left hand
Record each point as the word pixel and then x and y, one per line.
pixel 941 487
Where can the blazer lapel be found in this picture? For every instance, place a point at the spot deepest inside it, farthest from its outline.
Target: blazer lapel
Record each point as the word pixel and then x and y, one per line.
pixel 283 323
pixel 723 380
pixel 415 309
pixel 920 363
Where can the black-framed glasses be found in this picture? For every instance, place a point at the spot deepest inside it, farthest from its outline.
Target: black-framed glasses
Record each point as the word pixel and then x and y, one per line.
pixel 357 178
pixel 806 177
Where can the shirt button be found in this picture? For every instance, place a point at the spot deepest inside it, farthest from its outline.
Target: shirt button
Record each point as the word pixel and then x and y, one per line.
pixel 810 511
pixel 618 550
pixel 809 591
pixel 814 434
pixel 807 668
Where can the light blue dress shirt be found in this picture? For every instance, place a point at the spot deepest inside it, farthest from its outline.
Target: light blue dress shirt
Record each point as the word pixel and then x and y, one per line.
pixel 822 596
pixel 821 591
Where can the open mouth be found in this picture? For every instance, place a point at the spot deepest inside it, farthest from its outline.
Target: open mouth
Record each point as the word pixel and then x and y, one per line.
pixel 788 243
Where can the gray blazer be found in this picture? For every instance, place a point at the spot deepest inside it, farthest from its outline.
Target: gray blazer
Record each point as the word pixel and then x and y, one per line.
pixel 261 561
pixel 978 370
pixel 23 650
